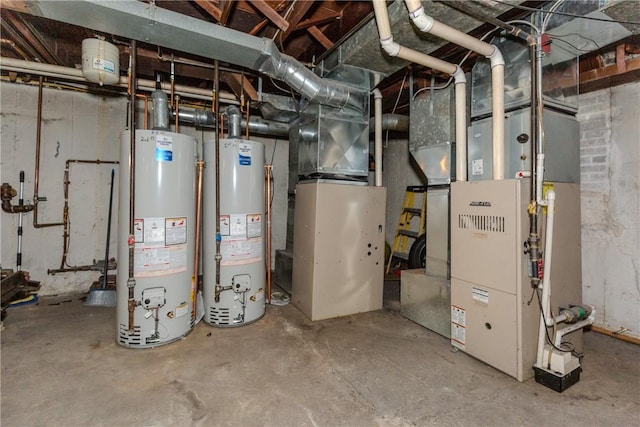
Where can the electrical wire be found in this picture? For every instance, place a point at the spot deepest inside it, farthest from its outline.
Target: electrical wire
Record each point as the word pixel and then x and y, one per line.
pixel 570 347
pixel 559 36
pixel 532 9
pixel 570 44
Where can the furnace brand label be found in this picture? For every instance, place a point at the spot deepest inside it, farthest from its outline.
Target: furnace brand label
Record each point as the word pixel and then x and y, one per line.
pixel 164 148
pixel 480 295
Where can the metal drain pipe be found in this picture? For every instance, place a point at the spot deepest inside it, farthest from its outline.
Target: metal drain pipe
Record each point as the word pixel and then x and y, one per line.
pixel 429 25
pixel 394 49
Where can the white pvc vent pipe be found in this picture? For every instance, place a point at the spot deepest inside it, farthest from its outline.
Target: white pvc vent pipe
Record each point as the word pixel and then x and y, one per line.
pixel 394 49
pixel 427 24
pixel 377 102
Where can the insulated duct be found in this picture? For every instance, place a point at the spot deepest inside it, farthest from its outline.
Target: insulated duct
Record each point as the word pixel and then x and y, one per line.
pixel 151 24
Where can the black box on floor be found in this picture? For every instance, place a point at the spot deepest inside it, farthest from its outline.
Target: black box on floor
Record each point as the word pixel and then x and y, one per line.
pixel 557 382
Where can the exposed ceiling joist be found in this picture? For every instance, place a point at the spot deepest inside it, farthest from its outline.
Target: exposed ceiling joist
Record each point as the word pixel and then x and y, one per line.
pixel 210 8
pixel 270 13
pixel 319 21
pixel 300 9
pixel 320 37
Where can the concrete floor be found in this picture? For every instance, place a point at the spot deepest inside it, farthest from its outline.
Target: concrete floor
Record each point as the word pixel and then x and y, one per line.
pixel 61 367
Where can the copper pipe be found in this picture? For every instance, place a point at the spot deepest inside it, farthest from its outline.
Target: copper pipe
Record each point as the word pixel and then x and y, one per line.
pixel 146 109
pixel 246 131
pixel 64 267
pixel 218 256
pixel 177 111
pixel 131 281
pixel 16 48
pixel 196 262
pixel 268 169
pixel 36 177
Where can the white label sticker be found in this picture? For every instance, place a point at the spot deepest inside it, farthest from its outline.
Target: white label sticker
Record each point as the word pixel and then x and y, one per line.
pixel 458 315
pixel 240 251
pixel 176 231
pixel 254 225
pixel 480 295
pixel 181 310
pixel 238 225
pixel 477 167
pixel 225 225
pixel 153 230
pixel 458 336
pixel 138 230
pixel 102 64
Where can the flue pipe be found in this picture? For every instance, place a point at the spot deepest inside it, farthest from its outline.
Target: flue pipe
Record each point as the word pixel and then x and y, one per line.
pixel 427 24
pixel 394 49
pixel 377 102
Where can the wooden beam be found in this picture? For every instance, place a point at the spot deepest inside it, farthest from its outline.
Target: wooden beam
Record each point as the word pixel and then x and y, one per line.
pixel 210 8
pixel 320 37
pixel 259 26
pixel 316 22
pixel 239 85
pixel 609 76
pixel 227 7
pixel 299 11
pixel 31 38
pixel 270 13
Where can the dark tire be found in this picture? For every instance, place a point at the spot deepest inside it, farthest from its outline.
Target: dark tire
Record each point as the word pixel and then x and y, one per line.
pixel 418 253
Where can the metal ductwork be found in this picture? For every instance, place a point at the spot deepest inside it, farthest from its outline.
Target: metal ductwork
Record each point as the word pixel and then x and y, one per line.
pixel 257 125
pixel 154 25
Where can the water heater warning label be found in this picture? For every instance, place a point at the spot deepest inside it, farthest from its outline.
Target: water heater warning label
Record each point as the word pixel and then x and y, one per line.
pixel 164 148
pixel 160 246
pixel 244 154
pixel 241 238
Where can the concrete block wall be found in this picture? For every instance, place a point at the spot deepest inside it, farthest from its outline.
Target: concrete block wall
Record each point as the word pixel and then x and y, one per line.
pixel 82 126
pixel 610 190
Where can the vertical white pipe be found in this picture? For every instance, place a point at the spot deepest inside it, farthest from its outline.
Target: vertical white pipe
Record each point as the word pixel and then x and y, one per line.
pixel 461 127
pixel 377 102
pixel 546 281
pixel 427 24
pixel 497 89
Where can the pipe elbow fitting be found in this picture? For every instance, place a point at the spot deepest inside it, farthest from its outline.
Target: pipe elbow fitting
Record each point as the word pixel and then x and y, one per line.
pixel 496 57
pixel 377 94
pixel 392 48
pixel 421 20
pixel 458 76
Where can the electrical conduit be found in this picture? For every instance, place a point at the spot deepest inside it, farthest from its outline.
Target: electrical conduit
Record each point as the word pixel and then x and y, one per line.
pixel 394 49
pixel 427 24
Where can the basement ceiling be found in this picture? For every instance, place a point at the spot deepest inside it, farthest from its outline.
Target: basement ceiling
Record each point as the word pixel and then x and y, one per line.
pixel 317 33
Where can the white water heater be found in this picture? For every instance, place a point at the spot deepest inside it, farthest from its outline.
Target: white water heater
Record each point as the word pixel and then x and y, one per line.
pixel 162 308
pixel 239 297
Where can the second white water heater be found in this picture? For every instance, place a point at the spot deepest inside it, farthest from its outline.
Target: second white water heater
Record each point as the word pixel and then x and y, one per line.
pixel 238 298
pixel 157 307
